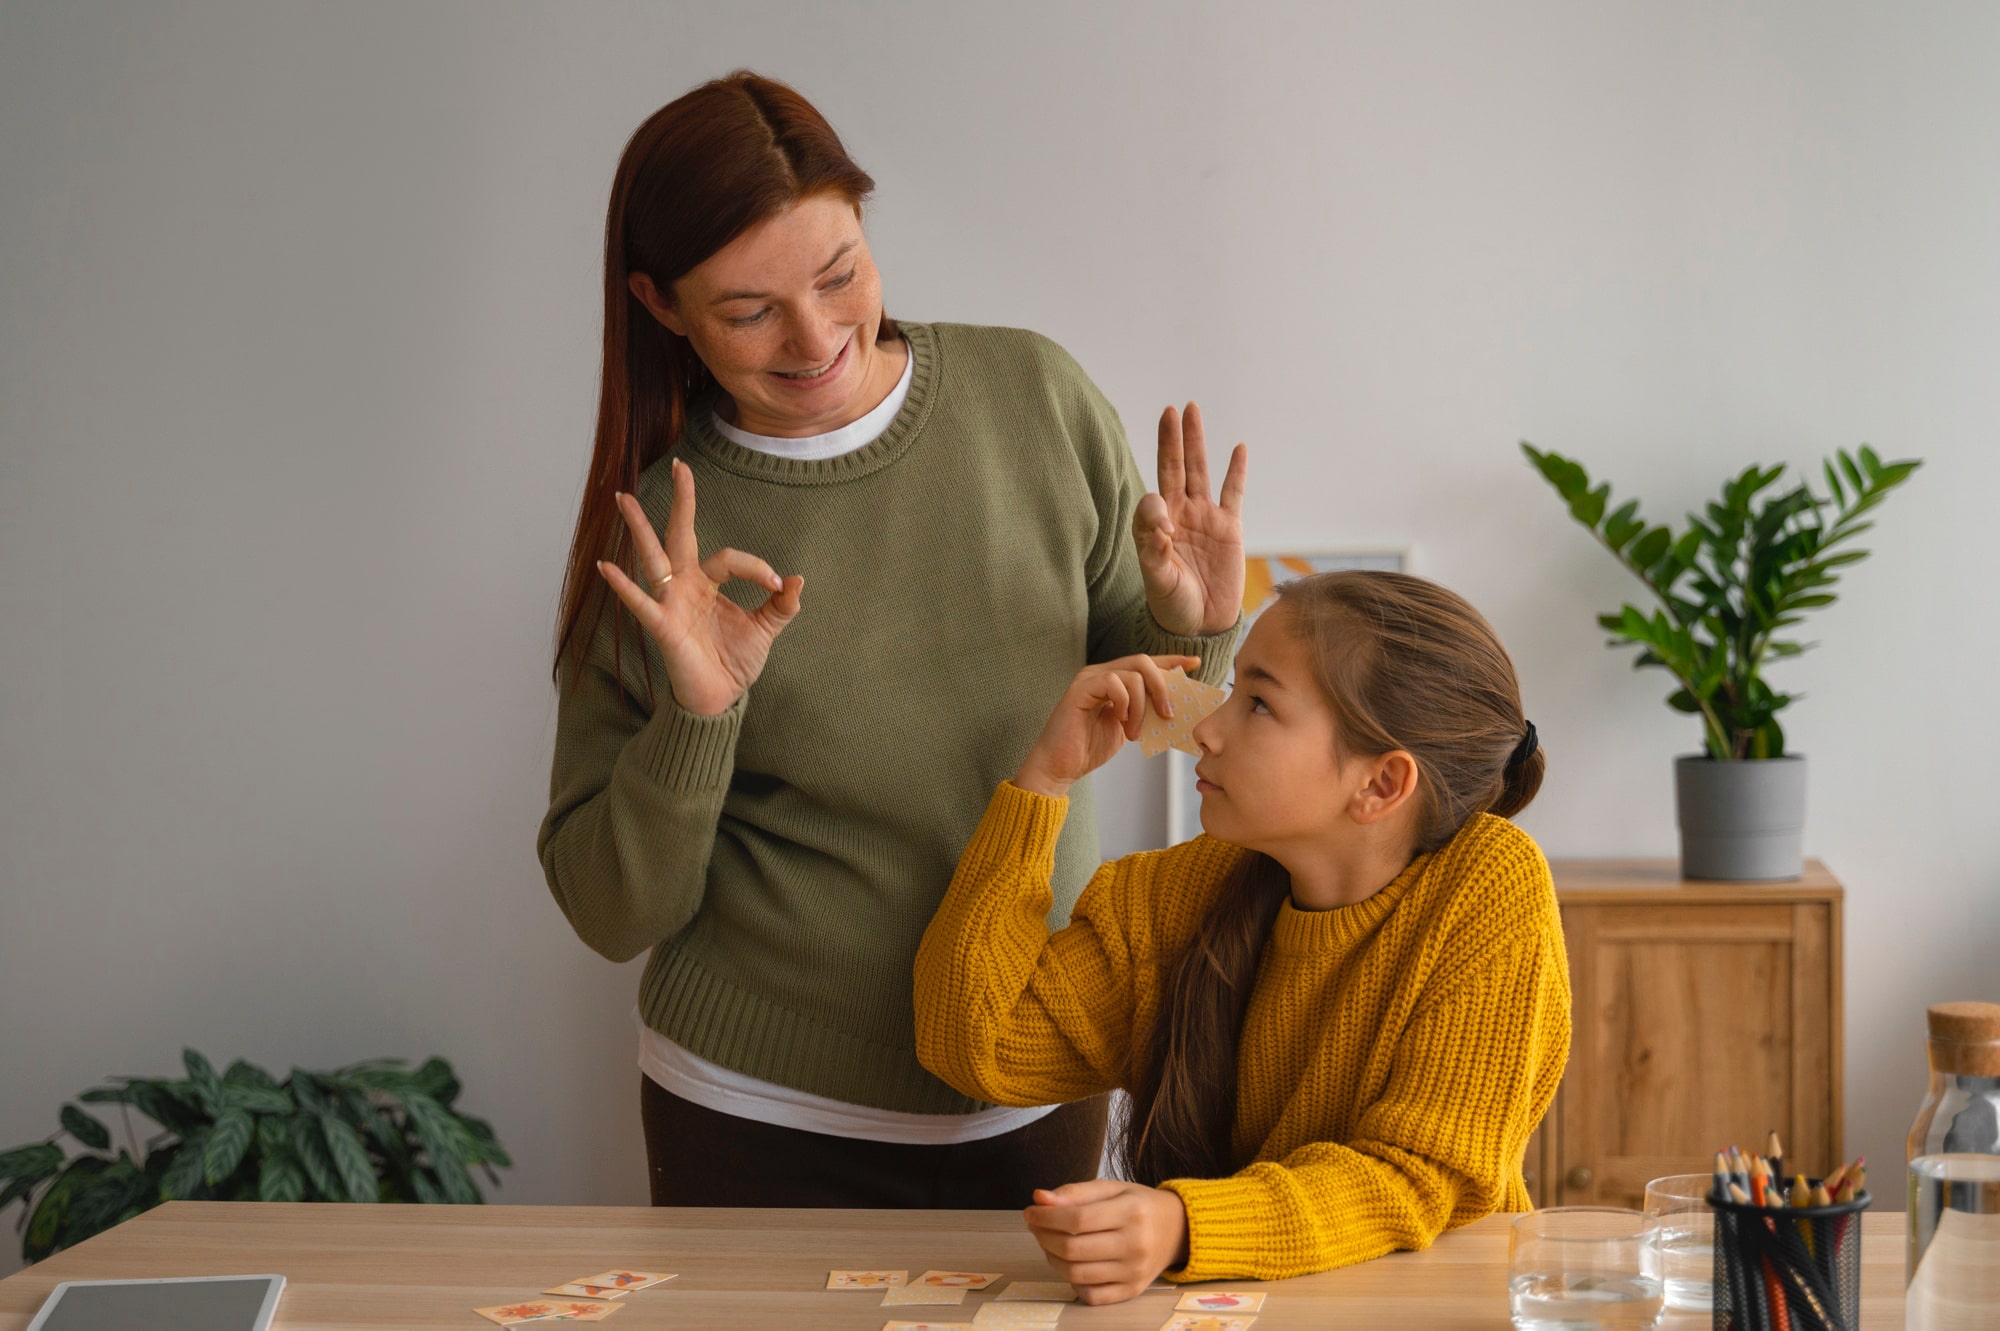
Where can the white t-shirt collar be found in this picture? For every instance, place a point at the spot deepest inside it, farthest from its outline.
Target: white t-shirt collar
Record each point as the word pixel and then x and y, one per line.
pixel 814 448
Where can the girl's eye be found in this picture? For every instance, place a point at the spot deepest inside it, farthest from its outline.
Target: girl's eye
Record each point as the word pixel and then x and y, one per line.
pixel 746 320
pixel 841 281
pixel 1257 704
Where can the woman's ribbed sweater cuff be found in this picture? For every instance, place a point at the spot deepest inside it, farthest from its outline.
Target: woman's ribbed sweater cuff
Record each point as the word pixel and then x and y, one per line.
pixel 687 753
pixel 1212 648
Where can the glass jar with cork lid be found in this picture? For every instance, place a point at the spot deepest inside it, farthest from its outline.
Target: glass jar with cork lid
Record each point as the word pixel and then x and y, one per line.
pixel 1953 1262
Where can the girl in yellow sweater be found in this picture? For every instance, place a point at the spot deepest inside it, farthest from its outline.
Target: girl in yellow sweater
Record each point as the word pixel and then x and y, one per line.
pixel 1339 1014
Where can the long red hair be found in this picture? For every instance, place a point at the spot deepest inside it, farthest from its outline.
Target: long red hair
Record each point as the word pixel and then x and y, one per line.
pixel 700 171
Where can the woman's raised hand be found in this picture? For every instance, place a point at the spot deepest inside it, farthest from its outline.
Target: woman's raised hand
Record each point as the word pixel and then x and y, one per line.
pixel 1103 707
pixel 714 649
pixel 1191 546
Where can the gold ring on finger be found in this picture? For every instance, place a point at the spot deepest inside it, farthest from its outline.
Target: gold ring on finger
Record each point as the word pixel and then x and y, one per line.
pixel 659 583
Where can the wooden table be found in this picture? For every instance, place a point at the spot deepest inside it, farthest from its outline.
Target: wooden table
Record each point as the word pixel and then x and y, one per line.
pixel 421 1267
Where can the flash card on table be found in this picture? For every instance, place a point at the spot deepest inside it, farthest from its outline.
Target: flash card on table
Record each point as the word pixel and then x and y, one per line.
pixel 1038 1291
pixel 1192 701
pixel 956 1279
pixel 905 1295
pixel 547 1310
pixel 1206 1322
pixel 1220 1301
pixel 866 1279
pixel 620 1282
pixel 997 1316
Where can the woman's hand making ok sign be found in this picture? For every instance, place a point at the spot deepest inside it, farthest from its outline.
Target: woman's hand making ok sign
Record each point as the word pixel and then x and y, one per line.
pixel 714 649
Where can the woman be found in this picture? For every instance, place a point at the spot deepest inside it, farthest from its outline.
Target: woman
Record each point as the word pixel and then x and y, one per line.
pixel 777 818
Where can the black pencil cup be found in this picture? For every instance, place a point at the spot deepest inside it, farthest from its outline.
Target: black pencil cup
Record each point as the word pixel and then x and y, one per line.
pixel 1788 1267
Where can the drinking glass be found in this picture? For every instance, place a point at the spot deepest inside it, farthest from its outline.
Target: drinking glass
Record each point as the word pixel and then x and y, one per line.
pixel 1680 1240
pixel 1580 1268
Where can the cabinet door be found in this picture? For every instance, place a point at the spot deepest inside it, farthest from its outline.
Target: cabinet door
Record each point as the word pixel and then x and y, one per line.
pixel 1696 1026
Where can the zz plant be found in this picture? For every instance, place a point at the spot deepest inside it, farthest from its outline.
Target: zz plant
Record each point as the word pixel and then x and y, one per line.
pixel 1742 573
pixel 371 1132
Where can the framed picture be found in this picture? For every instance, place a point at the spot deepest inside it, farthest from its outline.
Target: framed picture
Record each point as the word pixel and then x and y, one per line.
pixel 1262 574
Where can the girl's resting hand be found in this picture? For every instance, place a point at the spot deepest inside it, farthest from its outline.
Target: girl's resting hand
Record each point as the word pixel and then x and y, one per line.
pixel 1107 1237
pixel 1104 706
pixel 714 649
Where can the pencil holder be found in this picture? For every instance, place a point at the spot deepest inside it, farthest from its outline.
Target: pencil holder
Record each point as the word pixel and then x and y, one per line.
pixel 1783 1268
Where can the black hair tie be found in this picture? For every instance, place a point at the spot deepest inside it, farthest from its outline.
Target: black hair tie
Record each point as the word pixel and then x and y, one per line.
pixel 1525 749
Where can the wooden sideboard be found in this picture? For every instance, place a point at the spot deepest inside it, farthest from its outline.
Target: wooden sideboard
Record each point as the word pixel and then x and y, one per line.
pixel 1704 1014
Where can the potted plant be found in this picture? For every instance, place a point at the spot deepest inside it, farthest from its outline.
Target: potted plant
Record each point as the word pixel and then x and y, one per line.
pixel 1743 572
pixel 372 1132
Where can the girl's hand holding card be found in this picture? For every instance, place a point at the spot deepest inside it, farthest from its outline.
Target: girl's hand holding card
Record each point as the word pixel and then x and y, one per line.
pixel 1103 707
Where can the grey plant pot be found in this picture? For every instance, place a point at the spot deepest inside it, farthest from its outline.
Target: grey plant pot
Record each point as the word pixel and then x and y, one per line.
pixel 1741 821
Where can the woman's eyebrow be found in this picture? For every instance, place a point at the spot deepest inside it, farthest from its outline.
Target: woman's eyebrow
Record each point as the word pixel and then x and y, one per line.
pixel 838 255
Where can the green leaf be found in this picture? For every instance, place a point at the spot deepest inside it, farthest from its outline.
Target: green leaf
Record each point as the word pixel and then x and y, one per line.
pixel 310 1149
pixel 1647 549
pixel 15 1191
pixel 35 1162
pixel 481 1133
pixel 1869 462
pixel 242 1073
pixel 184 1178
pixel 435 1079
pixel 85 1128
pixel 1852 472
pixel 208 1086
pixel 1589 508
pixel 350 1158
pixel 258 1099
pixel 226 1145
pixel 1622 526
pixel 280 1180
pixel 46 1227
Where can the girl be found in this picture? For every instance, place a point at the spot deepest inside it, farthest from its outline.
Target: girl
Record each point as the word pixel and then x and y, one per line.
pixel 1339 1014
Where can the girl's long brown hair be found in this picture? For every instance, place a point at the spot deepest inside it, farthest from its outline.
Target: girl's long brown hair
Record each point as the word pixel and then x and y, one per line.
pixel 698 173
pixel 1406 665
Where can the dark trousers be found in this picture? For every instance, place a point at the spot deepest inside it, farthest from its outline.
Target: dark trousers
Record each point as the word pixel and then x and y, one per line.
pixel 698 1157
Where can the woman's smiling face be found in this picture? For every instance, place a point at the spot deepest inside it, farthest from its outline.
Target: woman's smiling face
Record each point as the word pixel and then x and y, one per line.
pixel 785 317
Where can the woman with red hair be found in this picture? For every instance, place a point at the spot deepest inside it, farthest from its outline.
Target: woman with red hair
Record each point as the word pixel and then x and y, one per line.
pixel 777 817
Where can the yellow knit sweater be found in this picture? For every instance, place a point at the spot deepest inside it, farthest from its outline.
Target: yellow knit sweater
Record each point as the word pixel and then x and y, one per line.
pixel 1394 1059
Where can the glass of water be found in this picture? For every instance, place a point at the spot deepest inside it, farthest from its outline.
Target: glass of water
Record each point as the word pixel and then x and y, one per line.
pixel 1680 1240
pixel 1581 1267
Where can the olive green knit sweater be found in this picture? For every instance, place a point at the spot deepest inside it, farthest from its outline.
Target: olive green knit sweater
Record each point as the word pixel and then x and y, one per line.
pixel 782 859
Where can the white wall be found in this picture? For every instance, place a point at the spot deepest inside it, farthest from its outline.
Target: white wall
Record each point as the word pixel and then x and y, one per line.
pixel 298 326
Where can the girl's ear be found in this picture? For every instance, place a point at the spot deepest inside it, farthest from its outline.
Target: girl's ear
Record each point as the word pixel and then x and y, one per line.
pixel 656 304
pixel 1390 786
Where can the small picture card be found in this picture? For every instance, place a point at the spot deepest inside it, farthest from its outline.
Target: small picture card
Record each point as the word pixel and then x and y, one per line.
pixel 1192 702
pixel 576 1289
pixel 547 1310
pixel 905 1295
pixel 866 1279
pixel 956 1279
pixel 512 1314
pixel 622 1281
pixel 1206 1322
pixel 1038 1291
pixel 1220 1301
pixel 998 1316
